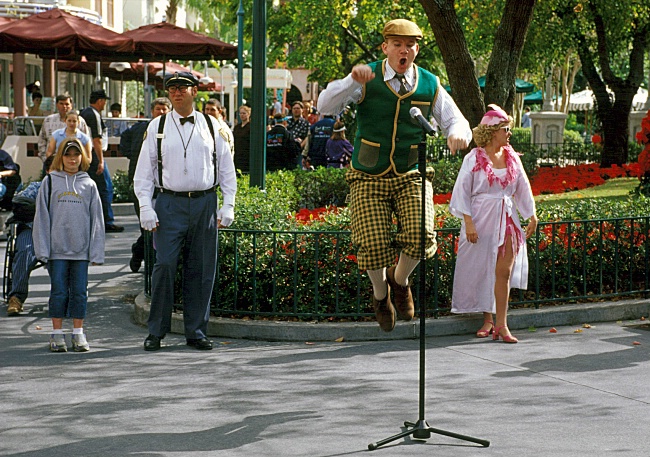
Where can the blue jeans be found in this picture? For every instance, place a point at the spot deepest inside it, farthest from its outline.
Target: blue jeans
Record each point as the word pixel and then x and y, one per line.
pixel 69 288
pixel 23 263
pixel 110 219
pixel 105 189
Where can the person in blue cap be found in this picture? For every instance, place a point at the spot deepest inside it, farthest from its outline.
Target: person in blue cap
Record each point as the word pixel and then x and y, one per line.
pixel 184 158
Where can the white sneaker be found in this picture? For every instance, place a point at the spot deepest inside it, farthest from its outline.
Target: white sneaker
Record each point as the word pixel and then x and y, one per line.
pixel 57 343
pixel 79 343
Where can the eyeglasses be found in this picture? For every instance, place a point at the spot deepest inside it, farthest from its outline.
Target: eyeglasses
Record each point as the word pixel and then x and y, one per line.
pixel 181 89
pixel 507 129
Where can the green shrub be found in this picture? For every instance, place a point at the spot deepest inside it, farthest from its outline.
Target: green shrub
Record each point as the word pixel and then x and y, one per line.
pixel 321 187
pixel 520 135
pixel 445 177
pixel 122 188
pixel 269 209
pixel 571 136
pixel 572 124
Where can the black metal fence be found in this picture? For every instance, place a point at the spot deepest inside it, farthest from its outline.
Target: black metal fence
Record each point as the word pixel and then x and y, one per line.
pixel 314 275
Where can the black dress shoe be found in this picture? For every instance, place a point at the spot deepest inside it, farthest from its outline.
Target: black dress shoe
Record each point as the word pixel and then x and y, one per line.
pixel 152 343
pixel 202 344
pixel 113 228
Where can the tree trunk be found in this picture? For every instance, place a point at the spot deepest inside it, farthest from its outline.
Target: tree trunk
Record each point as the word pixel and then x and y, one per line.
pixel 171 10
pixel 458 60
pixel 614 115
pixel 615 120
pixel 508 43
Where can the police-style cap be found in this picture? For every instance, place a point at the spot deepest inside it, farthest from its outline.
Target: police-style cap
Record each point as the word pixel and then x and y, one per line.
pixel 181 78
pixel 402 27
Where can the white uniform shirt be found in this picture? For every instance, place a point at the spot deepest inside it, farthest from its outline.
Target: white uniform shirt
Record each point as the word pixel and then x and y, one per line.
pixel 342 92
pixel 187 152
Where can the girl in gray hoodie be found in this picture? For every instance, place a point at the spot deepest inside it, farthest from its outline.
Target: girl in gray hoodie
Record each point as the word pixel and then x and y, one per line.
pixel 68 235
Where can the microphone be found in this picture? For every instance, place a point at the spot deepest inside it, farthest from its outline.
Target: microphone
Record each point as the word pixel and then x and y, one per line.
pixel 426 126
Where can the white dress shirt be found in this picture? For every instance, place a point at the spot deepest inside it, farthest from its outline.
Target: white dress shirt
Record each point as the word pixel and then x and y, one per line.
pixel 187 152
pixel 342 92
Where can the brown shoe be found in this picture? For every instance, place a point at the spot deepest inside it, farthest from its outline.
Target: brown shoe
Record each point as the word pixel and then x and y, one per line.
pixel 14 306
pixel 384 312
pixel 403 297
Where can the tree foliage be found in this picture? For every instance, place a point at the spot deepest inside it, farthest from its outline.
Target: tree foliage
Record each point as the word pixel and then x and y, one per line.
pixel 612 39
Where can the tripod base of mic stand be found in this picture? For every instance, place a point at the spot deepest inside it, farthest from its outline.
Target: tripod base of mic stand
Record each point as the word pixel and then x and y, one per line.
pixel 421 430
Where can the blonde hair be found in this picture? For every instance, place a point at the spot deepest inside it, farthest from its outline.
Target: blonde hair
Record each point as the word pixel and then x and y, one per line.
pixel 70 142
pixel 245 108
pixel 483 133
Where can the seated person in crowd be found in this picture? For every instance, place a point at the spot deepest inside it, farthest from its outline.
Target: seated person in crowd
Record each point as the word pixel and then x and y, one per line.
pixel 9 179
pixel 24 260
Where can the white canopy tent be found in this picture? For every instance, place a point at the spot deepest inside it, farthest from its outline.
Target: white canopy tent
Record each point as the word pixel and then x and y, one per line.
pixel 584 100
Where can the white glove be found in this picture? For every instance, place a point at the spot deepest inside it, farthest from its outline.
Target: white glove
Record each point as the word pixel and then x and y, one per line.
pixel 225 215
pixel 148 218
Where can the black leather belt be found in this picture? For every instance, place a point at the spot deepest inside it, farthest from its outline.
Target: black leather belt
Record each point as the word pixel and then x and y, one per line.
pixel 190 194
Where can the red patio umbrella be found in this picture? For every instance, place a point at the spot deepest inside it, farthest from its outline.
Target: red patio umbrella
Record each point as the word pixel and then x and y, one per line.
pixel 57 33
pixel 164 41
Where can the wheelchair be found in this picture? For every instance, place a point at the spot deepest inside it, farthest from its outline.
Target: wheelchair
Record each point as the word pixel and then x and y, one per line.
pixel 11 230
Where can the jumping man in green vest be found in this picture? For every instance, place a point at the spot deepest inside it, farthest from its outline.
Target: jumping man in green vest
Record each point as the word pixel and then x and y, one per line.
pixel 384 180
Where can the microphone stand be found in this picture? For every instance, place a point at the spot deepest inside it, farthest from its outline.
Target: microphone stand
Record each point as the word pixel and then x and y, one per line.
pixel 421 429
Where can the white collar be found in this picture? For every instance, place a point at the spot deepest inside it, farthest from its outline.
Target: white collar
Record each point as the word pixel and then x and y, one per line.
pixel 409 75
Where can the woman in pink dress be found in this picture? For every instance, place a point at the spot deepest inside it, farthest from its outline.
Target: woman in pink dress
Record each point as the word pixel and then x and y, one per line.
pixel 491 188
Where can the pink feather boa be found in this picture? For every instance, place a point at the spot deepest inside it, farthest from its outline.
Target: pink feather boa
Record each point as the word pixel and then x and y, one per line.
pixel 483 163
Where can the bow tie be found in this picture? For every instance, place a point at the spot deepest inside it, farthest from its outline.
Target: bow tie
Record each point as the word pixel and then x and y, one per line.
pixel 187 119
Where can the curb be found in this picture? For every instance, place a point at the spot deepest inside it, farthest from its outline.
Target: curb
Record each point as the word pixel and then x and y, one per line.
pixel 518 319
pixel 123 209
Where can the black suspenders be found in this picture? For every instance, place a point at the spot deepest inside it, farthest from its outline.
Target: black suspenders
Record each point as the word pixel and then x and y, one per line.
pixel 160 137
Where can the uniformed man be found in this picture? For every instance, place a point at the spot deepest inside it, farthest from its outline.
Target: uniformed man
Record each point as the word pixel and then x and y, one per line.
pixel 186 213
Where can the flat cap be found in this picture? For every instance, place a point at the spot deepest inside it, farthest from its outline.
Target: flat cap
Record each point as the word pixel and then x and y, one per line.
pixel 181 78
pixel 402 27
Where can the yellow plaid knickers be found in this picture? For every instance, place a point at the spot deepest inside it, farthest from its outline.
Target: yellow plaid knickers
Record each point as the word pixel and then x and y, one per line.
pixel 374 202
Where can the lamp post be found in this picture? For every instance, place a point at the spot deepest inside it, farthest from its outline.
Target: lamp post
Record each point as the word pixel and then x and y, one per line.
pixel 240 56
pixel 258 121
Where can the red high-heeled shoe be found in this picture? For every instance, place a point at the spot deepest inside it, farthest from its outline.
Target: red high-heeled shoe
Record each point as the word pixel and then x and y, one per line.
pixel 496 333
pixel 485 333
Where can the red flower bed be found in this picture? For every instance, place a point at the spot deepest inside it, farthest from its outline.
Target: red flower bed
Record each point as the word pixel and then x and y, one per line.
pixel 307 216
pixel 557 180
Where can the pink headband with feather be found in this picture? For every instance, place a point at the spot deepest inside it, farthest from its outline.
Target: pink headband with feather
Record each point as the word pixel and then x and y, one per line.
pixel 494 116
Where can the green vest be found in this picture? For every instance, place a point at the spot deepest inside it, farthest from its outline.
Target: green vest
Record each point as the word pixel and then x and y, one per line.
pixel 387 137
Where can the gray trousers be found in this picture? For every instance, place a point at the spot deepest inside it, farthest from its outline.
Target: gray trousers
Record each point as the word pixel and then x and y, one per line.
pixel 189 224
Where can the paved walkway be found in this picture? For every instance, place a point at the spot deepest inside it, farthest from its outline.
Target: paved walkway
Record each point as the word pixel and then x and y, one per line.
pixel 553 394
